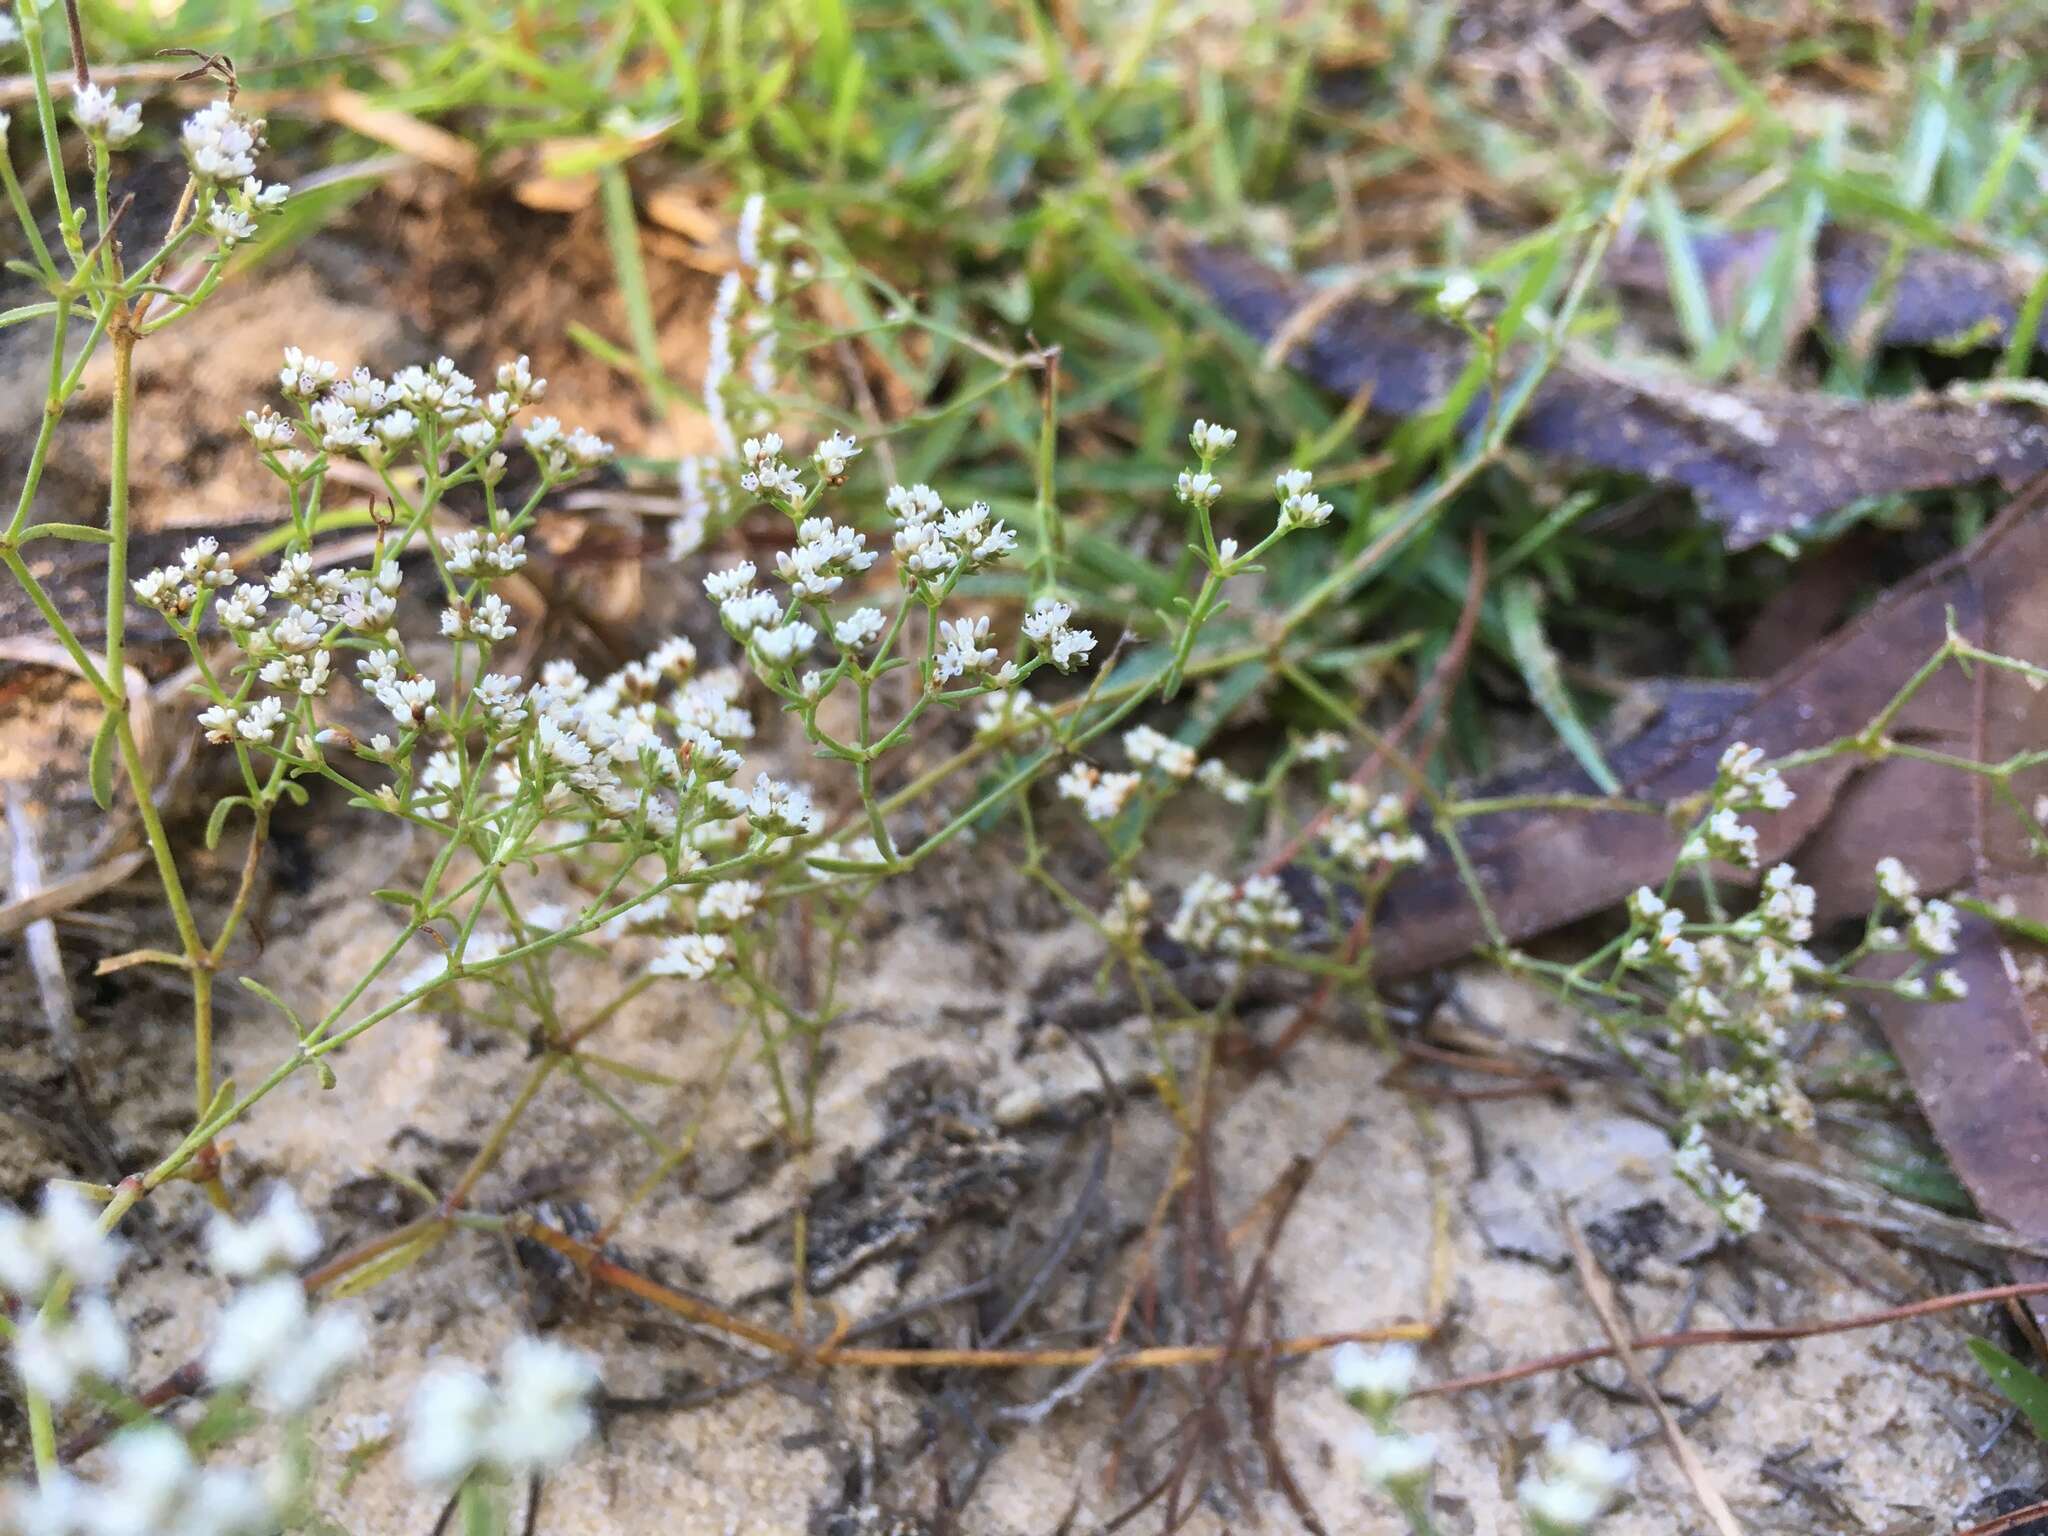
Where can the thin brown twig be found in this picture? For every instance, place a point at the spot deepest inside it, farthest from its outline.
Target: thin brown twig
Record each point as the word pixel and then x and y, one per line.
pixel 1695 1338
pixel 2012 1520
pixel 80 69
pixel 1600 1293
pixel 606 1272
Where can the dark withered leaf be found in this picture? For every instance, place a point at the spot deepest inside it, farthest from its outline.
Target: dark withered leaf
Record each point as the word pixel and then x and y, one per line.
pixel 1760 461
pixel 1939 297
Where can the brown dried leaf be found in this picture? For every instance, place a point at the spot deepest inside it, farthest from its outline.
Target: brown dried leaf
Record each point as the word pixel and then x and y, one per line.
pixel 1939 297
pixel 1760 461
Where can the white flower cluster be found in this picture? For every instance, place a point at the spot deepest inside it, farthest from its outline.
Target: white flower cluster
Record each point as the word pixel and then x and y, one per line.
pixel 1010 712
pixel 1128 914
pixel 1217 777
pixel 56 1349
pixel 1159 753
pixel 1574 1483
pixel 1244 921
pixel 936 546
pixel 1739 992
pixel 175 590
pixel 1932 932
pixel 268 1341
pixel 1046 626
pixel 1743 782
pixel 1376 1382
pixel 1738 1206
pixel 430 412
pixel 742 315
pixel 532 1421
pixel 95 111
pixel 1102 796
pixel 825 555
pixel 1300 507
pixel 154 1487
pixel 1372 836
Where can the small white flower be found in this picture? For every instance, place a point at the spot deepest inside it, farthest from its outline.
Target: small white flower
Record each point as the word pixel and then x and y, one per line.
pixel 1559 1507
pixel 1456 296
pixel 1215 776
pixel 1586 1461
pixel 834 454
pixel 1070 646
pixel 692 956
pixel 268 1340
pixel 1896 884
pixel 776 809
pixel 963 651
pixel 303 378
pixel 785 643
pixel 230 226
pixel 54 1355
pixel 1935 929
pixel 1198 488
pixel 1101 796
pixel 219 143
pixel 1211 440
pixel 544 1406
pixel 63 1238
pixel 537 1417
pixel 1394 1460
pixel 734 581
pixel 280 1236
pixel 1380 1377
pixel 859 628
pixel 408 699
pixel 1128 913
pixel 95 111
pixel 449 1418
pixel 1152 749
pixel 156 1489
pixel 1304 510
pixel 751 611
pixel 1046 619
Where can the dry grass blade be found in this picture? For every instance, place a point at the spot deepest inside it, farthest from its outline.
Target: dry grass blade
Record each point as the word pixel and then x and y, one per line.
pixel 1600 1292
pixel 400 131
pixel 69 892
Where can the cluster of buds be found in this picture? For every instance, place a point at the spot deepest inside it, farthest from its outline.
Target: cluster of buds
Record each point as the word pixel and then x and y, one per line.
pixel 1244 921
pixel 1371 834
pixel 1574 1482
pixel 1927 929
pixel 1736 994
pixel 1743 781
pixel 1740 1208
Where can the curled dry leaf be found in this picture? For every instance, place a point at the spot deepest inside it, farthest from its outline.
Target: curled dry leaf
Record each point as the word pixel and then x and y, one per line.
pixel 1938 299
pixel 1760 461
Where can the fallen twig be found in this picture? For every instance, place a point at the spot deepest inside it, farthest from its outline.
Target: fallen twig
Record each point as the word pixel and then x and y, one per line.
pixel 1695 1338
